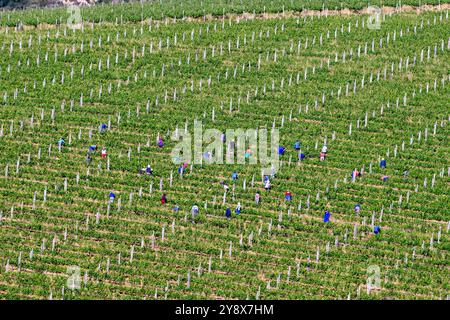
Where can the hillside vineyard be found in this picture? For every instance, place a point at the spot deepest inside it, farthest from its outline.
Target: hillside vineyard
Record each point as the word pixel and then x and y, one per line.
pixel 95 205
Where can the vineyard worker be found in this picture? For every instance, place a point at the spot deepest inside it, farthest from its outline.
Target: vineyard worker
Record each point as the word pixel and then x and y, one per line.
pixel 194 211
pixel 176 209
pixel 160 142
pixel 383 163
pixel 355 174
pixel 182 168
pixel 257 198
pixel 207 155
pixel 324 149
pixel 301 156
pixel 234 176
pixel 102 128
pixel 88 158
pixel 112 196
pixel 238 209
pixel 104 153
pixel 376 229
pixel 248 153
pixel 149 170
pixel 357 208
pixel 163 199
pixel 326 216
pixel 272 171
pixel 297 145
pixel 322 156
pixel 281 150
pixel 288 196
pixel 92 148
pixel 384 178
pixel 61 142
pixel 267 185
pixel 228 213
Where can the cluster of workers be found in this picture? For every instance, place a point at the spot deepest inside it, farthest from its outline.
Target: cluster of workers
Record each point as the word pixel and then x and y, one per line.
pixel 266 179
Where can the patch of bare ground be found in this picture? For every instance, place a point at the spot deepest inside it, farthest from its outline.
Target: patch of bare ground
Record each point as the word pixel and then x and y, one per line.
pixel 245 16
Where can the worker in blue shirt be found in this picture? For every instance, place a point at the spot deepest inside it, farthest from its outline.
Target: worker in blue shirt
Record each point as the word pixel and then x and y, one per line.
pixel 112 196
pixel 228 213
pixel 238 209
pixel 326 216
